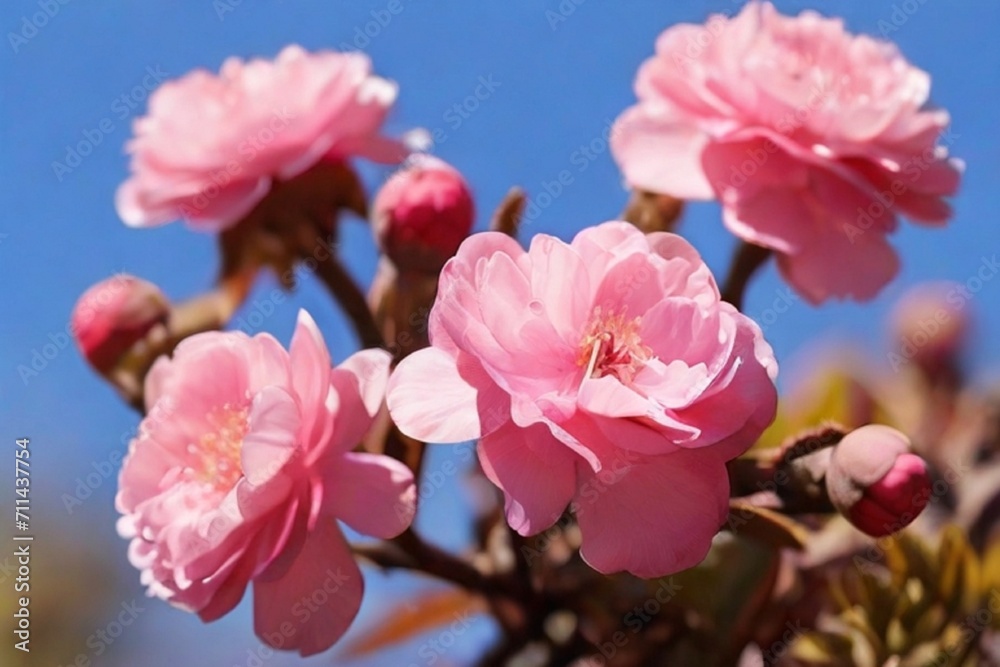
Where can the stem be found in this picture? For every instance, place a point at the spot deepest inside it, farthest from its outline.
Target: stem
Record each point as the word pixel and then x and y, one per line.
pixel 652 212
pixel 747 259
pixel 343 288
pixel 409 551
pixel 507 217
pixel 206 312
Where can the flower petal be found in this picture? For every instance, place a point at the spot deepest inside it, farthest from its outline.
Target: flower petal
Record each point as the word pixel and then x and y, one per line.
pixel 536 472
pixel 372 493
pixel 653 518
pixel 325 574
pixel 436 397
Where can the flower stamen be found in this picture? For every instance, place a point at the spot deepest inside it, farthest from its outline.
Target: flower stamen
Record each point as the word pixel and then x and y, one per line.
pixel 612 345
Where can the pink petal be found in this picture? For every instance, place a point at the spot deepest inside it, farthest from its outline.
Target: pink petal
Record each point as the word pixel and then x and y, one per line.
pixel 536 472
pixel 559 281
pixel 685 272
pixel 741 401
pixel 630 286
pixel 235 577
pixel 273 435
pixel 653 518
pixel 358 390
pixel 310 363
pixel 834 267
pixel 659 154
pixel 608 397
pixel 373 494
pixel 312 603
pixel 435 397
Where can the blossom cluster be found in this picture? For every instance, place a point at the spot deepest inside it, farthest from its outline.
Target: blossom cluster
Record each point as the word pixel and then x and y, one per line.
pixel 606 378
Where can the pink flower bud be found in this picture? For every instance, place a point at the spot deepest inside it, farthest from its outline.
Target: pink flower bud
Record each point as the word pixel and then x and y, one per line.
pixel 422 214
pixel 929 327
pixel 115 314
pixel 876 482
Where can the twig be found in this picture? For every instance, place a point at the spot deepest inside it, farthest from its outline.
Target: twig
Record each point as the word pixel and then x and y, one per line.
pixel 507 217
pixel 350 297
pixel 409 551
pixel 747 259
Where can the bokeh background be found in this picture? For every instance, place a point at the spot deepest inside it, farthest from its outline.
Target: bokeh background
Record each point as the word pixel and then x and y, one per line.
pixel 76 74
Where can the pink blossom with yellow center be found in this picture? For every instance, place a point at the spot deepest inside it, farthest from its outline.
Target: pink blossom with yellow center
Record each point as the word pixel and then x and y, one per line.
pixel 604 376
pixel 242 470
pixel 811 138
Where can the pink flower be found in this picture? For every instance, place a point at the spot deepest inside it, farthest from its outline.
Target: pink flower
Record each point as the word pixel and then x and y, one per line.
pixel 115 314
pixel 812 139
pixel 876 482
pixel 211 146
pixel 605 375
pixel 422 214
pixel 240 472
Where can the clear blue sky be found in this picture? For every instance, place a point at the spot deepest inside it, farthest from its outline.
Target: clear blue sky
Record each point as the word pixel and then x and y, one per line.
pixel 560 83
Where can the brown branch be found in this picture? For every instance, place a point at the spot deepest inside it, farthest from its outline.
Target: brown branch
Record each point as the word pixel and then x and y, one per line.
pixel 345 290
pixel 507 217
pixel 652 212
pixel 747 259
pixel 410 552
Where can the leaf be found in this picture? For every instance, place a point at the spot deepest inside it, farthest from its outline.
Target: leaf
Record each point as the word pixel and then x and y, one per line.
pixel 414 617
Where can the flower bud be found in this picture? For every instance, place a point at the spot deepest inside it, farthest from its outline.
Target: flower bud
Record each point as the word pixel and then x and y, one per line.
pixel 928 329
pixel 876 482
pixel 114 315
pixel 422 214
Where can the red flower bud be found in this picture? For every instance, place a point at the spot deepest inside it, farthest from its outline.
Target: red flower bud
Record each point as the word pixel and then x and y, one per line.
pixel 114 315
pixel 422 214
pixel 876 482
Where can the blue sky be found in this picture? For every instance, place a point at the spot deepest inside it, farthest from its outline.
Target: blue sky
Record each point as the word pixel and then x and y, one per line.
pixel 81 72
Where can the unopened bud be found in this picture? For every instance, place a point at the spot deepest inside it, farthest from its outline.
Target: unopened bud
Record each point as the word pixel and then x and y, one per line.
pixel 114 315
pixel 928 329
pixel 876 482
pixel 422 214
